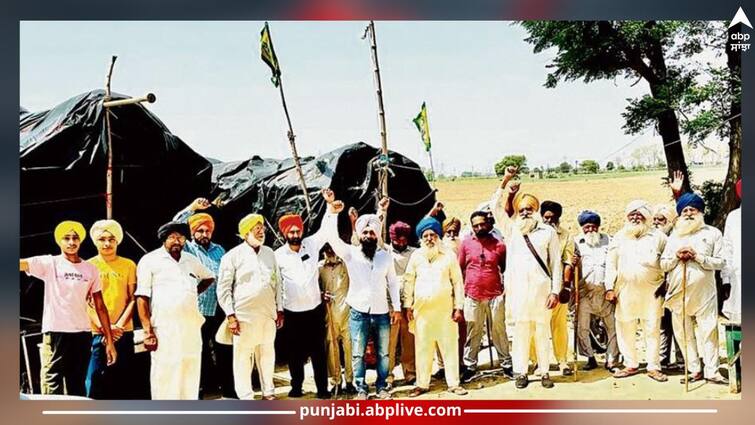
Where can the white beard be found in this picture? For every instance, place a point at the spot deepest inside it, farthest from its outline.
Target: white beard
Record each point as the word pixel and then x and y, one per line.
pixel 431 252
pixel 526 225
pixel 253 241
pixel 592 238
pixel 686 227
pixel 667 228
pixel 636 231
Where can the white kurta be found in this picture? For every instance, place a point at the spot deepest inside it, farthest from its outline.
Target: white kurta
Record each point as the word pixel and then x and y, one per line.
pixel 433 289
pixel 732 271
pixel 171 287
pixel 701 301
pixel 633 272
pixel 528 286
pixel 249 286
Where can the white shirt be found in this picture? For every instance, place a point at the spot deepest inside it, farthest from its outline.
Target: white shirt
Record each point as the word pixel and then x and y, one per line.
pixel 171 286
pixel 299 270
pixel 732 271
pixel 249 283
pixel 701 281
pixel 593 261
pixel 371 282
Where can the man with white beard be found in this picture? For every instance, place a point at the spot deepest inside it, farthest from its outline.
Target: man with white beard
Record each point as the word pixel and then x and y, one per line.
pixel 250 292
pixel 698 246
pixel 434 297
pixel 633 275
pixel 664 218
pixel 533 280
pixel 593 250
pixel 732 272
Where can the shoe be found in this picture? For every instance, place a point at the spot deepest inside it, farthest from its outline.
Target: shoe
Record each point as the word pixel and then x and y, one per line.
pixel 440 374
pixel 268 397
pixel 693 377
pixel 295 393
pixel 361 395
pixel 508 372
pixel 591 364
pixel 718 380
pixel 546 381
pixel 657 375
pixel 418 391
pixel 384 394
pixel 458 391
pixel 626 372
pixel 521 381
pixel 350 389
pixel 324 395
pixel 468 375
pixel 611 367
pixel 337 389
pixel 674 366
pixel 567 371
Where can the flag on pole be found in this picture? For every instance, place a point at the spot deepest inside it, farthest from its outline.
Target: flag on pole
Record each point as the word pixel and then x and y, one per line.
pixel 423 126
pixel 268 54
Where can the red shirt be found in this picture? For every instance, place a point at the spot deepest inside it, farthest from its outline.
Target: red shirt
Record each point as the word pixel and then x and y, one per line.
pixel 482 262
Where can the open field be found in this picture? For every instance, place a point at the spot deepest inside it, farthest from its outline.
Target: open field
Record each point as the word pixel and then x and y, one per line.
pixel 608 194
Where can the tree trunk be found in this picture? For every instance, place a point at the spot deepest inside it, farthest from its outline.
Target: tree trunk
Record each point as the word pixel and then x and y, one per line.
pixel 729 199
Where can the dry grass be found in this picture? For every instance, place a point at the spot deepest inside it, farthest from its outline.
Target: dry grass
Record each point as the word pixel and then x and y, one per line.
pixel 608 195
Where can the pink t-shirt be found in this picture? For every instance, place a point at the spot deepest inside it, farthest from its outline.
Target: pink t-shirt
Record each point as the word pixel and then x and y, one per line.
pixel 67 287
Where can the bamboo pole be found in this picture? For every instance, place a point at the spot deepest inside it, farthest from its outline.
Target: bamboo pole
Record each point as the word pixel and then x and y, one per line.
pixel 109 172
pixel 294 153
pixel 432 168
pixel 684 325
pixel 576 318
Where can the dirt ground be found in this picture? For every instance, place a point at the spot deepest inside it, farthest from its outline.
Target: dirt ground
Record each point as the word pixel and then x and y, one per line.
pixel 597 384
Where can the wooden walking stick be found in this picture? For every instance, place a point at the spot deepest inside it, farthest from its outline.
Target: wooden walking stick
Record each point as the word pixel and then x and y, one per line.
pixel 684 325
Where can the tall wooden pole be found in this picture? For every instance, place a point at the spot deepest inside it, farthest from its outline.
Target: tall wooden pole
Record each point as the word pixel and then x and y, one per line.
pixel 294 153
pixel 381 108
pixel 109 172
pixel 432 168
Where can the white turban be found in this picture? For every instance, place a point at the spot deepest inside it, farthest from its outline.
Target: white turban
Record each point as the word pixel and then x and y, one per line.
pixel 666 210
pixel 110 226
pixel 368 221
pixel 641 207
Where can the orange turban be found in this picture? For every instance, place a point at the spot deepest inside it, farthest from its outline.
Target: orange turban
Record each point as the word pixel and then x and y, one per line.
pixel 197 220
pixel 288 221
pixel 525 199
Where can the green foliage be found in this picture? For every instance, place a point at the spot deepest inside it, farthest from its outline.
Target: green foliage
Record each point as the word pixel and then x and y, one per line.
pixel 564 167
pixel 713 194
pixel 590 166
pixel 519 161
pixel 609 166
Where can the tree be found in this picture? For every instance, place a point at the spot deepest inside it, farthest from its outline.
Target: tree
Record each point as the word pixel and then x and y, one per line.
pixel 643 50
pixel 519 161
pixel 590 166
pixel 564 167
pixel 609 166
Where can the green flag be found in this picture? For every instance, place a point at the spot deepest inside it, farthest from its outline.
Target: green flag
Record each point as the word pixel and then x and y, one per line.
pixel 423 126
pixel 268 54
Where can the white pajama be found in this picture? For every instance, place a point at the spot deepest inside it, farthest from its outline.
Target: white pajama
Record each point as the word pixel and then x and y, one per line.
pixel 250 350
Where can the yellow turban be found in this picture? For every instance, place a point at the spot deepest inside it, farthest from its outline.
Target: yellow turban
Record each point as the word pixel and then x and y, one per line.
pixel 110 226
pixel 67 226
pixel 197 220
pixel 525 199
pixel 248 223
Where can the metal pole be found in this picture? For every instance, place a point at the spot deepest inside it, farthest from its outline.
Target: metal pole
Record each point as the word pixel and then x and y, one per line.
pixel 295 155
pixel 109 172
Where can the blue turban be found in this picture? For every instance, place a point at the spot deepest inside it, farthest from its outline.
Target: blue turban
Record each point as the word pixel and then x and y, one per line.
pixel 429 223
pixel 690 199
pixel 588 217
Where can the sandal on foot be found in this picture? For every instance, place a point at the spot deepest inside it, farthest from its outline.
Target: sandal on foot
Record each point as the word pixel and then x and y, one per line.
pixel 418 391
pixel 657 375
pixel 457 391
pixel 626 372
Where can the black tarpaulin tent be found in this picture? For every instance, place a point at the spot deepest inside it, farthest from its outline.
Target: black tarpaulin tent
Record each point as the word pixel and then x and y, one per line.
pixel 270 187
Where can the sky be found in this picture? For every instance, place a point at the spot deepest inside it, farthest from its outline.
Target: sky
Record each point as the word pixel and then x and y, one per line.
pixel 482 83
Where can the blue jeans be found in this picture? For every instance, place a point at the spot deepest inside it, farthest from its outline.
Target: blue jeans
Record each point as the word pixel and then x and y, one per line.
pixel 360 325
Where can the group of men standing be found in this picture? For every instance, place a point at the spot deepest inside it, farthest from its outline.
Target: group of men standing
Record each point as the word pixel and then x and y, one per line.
pixel 210 317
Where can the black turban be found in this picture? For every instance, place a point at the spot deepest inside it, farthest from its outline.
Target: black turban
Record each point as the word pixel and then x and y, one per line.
pixel 174 226
pixel 553 207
